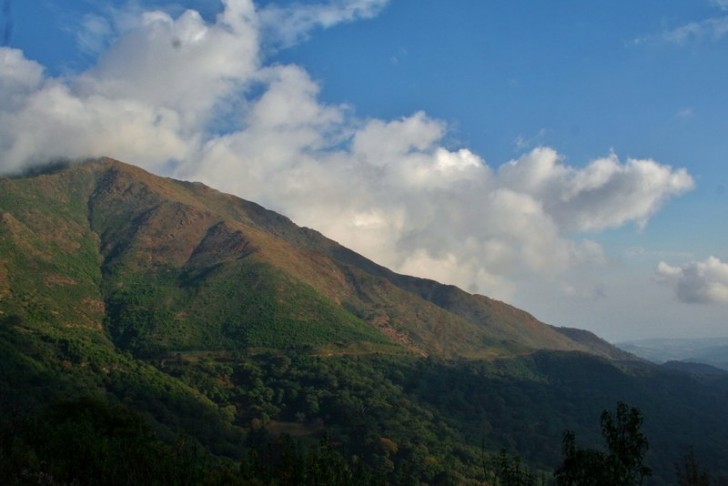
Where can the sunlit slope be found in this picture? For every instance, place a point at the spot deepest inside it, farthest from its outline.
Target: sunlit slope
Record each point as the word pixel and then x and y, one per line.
pixel 156 264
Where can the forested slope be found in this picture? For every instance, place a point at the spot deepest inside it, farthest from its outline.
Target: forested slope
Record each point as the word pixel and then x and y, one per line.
pixel 142 314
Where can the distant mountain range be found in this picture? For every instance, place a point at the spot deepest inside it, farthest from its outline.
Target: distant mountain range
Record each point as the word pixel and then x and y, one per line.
pixel 155 328
pixel 710 351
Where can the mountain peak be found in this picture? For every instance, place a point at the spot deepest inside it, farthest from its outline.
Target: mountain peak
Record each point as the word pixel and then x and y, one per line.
pixel 172 265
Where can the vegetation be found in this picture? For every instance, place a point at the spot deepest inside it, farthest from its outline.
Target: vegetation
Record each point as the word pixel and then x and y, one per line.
pixel 158 332
pixel 88 441
pixel 388 415
pixel 622 464
pixel 690 472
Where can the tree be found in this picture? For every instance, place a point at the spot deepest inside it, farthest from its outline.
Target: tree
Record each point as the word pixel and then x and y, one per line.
pixel 691 473
pixel 627 445
pixel 622 464
pixel 582 467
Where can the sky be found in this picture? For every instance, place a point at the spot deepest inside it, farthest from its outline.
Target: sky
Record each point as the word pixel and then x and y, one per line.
pixel 566 157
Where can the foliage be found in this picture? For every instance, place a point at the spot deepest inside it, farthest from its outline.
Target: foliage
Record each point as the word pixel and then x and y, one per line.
pixel 139 314
pixel 505 470
pixel 283 460
pixel 690 472
pixel 626 443
pixel 89 441
pixel 621 464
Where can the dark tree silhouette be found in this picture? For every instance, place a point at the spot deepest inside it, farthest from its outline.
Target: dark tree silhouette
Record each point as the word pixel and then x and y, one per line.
pixel 690 473
pixel 622 463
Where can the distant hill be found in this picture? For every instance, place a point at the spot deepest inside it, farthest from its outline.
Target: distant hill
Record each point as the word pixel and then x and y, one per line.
pixel 159 331
pixel 710 351
pixel 696 369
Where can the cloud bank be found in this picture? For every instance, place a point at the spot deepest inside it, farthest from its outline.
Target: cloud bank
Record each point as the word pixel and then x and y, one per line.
pixel 198 100
pixel 697 282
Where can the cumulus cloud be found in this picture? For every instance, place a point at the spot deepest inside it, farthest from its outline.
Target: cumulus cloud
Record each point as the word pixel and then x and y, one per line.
pixel 19 78
pixel 147 99
pixel 604 194
pixel 697 282
pixel 198 100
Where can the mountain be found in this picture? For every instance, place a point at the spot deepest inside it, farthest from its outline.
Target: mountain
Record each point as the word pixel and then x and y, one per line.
pixel 696 369
pixel 114 245
pixel 159 331
pixel 709 351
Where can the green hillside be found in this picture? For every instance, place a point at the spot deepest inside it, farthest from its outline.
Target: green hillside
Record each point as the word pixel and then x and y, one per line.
pixel 171 265
pixel 159 331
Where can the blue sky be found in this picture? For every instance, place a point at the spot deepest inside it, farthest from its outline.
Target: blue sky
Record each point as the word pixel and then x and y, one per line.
pixel 564 157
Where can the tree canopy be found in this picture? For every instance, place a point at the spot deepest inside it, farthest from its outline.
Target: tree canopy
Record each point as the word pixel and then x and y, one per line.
pixel 622 463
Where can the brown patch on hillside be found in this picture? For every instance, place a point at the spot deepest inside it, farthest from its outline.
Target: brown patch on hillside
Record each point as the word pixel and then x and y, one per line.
pixel 149 217
pixel 87 313
pixel 221 242
pixel 61 280
pixel 172 231
pixel 94 306
pixel 22 236
pixel 9 224
pixel 382 323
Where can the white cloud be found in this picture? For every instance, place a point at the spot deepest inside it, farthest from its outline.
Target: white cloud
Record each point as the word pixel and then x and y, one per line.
pixel 19 78
pixel 604 194
pixel 697 282
pixel 712 29
pixel 287 25
pixel 181 64
pixel 53 122
pixel 387 188
pixel 522 143
pixel 92 33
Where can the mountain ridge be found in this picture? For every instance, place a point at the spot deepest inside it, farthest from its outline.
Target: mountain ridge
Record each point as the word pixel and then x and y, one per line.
pixel 143 222
pixel 709 351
